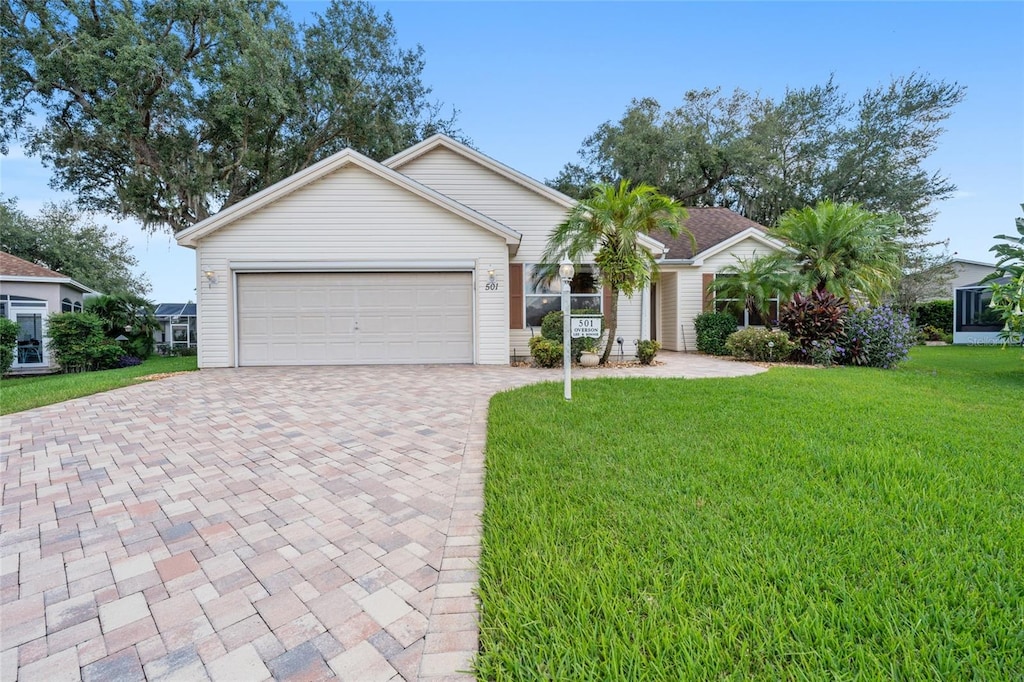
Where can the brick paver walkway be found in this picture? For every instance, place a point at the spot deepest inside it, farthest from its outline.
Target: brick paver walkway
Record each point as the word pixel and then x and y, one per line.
pixel 300 523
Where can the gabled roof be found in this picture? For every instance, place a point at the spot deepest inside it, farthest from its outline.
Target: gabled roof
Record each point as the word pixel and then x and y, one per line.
pixel 345 157
pixel 439 140
pixel 14 269
pixel 712 228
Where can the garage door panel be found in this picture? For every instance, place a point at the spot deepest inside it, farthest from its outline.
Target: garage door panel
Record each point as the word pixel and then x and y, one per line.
pixel 312 324
pixel 355 318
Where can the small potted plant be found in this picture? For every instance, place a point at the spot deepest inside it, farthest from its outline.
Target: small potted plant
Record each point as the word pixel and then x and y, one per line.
pixel 587 351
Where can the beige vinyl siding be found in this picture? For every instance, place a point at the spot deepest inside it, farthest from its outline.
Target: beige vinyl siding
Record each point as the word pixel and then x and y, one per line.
pixel 668 313
pixel 348 216
pixel 690 278
pixel 487 192
pixel 524 210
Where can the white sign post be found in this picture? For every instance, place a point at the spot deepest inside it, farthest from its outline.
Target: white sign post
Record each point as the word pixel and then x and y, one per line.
pixel 565 272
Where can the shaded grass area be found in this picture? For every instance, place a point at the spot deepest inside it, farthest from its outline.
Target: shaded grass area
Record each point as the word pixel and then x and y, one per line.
pixel 24 393
pixel 800 524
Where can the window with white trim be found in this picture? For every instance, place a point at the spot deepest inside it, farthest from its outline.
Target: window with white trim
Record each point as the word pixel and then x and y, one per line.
pixel 544 295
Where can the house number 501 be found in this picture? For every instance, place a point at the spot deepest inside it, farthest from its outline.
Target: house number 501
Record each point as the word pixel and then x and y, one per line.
pixel 491 286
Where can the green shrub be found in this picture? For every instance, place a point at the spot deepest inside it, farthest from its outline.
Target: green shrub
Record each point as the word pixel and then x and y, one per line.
pixel 646 350
pixel 930 333
pixel 551 329
pixel 78 343
pixel 813 322
pixel 8 341
pixel 760 344
pixel 938 314
pixel 712 331
pixel 545 352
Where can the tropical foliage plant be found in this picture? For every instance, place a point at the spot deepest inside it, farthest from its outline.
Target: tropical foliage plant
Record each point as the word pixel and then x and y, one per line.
pixel 608 223
pixel 754 282
pixel 813 321
pixel 843 249
pixel 1008 297
pixel 126 316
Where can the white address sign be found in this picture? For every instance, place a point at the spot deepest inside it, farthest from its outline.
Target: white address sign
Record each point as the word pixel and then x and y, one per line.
pixel 581 327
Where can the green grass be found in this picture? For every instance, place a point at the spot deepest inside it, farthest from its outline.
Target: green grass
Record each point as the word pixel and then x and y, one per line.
pixel 801 524
pixel 24 393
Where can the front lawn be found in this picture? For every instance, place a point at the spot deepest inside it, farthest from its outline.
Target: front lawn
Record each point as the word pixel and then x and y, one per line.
pixel 800 524
pixel 24 393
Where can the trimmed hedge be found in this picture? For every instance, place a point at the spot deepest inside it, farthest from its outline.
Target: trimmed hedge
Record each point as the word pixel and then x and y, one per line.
pixel 938 314
pixel 712 331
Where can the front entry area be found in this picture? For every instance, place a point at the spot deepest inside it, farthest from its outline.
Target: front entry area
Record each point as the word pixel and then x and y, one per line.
pixel 355 318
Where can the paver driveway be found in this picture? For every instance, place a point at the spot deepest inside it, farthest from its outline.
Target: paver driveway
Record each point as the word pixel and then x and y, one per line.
pixel 298 523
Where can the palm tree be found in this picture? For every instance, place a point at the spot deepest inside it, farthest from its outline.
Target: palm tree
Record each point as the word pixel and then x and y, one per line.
pixel 607 224
pixel 755 282
pixel 843 249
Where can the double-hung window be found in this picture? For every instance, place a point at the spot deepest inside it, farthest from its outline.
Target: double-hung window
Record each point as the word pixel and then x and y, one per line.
pixel 543 295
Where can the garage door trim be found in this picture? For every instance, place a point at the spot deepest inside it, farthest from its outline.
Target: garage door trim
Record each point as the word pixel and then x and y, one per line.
pixel 243 267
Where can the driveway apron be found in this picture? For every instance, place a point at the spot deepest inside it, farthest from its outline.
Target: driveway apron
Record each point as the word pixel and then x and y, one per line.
pixel 248 524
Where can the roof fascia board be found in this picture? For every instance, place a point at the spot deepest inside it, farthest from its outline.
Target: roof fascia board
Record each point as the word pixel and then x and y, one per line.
pixel 48 280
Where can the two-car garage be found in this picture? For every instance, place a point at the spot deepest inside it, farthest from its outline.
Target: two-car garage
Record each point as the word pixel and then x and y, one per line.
pixel 342 318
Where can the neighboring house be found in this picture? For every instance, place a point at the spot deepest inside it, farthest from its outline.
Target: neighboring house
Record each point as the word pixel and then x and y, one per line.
pixel 961 273
pixel 974 321
pixel 29 293
pixel 427 257
pixel 178 328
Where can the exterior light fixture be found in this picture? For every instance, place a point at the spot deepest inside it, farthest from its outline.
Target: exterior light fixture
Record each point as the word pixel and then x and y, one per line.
pixel 565 272
pixel 491 276
pixel 211 277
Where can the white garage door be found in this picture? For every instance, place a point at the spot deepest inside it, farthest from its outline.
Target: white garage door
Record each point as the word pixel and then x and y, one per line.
pixel 355 318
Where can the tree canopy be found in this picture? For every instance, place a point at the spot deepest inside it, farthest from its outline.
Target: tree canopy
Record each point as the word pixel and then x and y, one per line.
pixel 67 241
pixel 762 156
pixel 168 110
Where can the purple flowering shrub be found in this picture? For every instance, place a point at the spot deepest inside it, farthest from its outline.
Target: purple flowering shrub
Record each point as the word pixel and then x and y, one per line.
pixel 877 337
pixel 128 361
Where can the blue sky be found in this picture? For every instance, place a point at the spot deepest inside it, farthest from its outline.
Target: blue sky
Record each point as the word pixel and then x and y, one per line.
pixel 532 79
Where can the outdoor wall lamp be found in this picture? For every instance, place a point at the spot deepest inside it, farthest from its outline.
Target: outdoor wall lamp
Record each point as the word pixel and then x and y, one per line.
pixel 211 277
pixel 490 276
